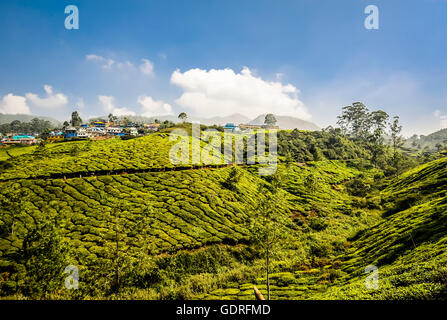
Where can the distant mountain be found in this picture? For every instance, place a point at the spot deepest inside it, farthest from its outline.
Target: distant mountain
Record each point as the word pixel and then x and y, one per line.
pixel 428 142
pixel 284 122
pixel 7 118
pixel 288 122
pixel 236 118
pixel 141 119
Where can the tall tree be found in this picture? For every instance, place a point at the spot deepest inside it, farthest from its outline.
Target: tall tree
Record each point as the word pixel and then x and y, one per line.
pixel 396 140
pixel 112 118
pixel 76 120
pixel 182 116
pixel 354 120
pixel 377 122
pixel 270 119
pixel 268 223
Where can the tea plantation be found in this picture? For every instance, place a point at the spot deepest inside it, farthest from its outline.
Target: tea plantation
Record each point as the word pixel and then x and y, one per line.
pixel 184 232
pixel 408 246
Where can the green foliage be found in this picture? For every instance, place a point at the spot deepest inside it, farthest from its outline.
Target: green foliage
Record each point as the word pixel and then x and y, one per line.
pixel 270 120
pixel 76 120
pixel 318 145
pixel 186 234
pixel 34 126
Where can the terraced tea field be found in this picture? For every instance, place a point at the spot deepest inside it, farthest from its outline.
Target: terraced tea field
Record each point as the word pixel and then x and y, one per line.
pixel 163 231
pixel 409 248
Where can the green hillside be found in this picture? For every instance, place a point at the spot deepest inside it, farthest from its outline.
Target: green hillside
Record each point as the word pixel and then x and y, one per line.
pixel 137 228
pixel 410 245
pixel 409 248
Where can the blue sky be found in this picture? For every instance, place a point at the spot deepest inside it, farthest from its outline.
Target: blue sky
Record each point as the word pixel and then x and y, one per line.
pixel 303 58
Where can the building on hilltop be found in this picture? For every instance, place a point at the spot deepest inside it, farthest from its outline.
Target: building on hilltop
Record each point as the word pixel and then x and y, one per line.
pixel 152 126
pixel 114 130
pixel 231 127
pixel 70 133
pixel 19 139
pixel 257 127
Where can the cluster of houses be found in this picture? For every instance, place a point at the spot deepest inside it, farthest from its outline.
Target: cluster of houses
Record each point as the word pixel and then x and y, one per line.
pixel 102 129
pixel 99 130
pixel 95 130
pixel 244 127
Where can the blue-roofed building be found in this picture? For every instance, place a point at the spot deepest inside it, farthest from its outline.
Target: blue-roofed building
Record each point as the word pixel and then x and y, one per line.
pixel 231 127
pixel 70 133
pixel 19 139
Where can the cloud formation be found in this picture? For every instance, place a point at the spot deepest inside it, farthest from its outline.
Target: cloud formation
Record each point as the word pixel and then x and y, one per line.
pixel 11 104
pixel 106 63
pixel 108 103
pixel 53 100
pixel 146 67
pixel 151 107
pixel 224 92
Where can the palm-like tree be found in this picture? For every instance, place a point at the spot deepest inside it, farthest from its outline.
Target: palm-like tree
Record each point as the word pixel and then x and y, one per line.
pixel 182 116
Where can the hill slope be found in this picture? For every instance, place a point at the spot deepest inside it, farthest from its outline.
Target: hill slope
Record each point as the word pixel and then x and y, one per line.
pixel 7 118
pixel 169 234
pixel 408 246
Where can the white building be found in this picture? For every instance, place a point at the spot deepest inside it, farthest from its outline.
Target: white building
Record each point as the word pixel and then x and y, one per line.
pixel 133 131
pixel 114 130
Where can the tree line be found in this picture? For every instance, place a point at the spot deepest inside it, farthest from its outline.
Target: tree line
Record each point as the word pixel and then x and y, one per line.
pixel 35 126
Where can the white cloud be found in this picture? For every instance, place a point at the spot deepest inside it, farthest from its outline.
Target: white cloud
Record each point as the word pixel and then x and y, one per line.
pixel 151 107
pixel 224 92
pixel 11 104
pixel 147 67
pixel 53 100
pixel 126 64
pixel 106 63
pixel 108 104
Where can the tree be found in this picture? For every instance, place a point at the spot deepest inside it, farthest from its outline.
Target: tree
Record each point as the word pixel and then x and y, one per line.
pixel 40 256
pixel 66 124
pixel 396 140
pixel 270 120
pixel 354 120
pixel 268 223
pixel 15 126
pixel 377 121
pixel 183 116
pixel 112 118
pixel 45 256
pixel 76 120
